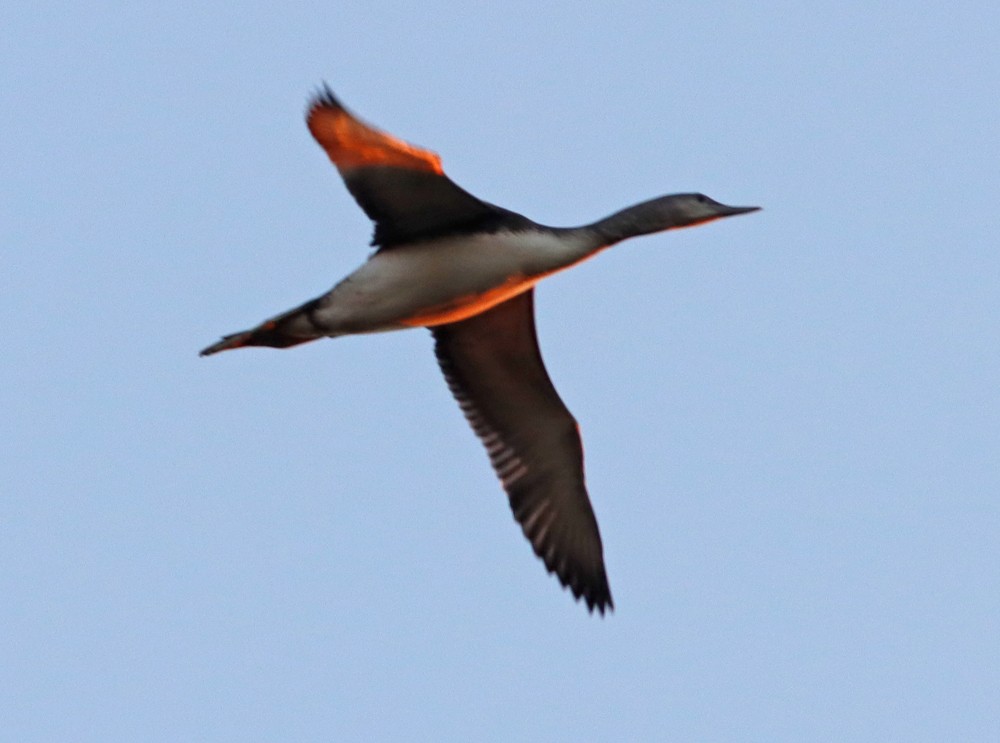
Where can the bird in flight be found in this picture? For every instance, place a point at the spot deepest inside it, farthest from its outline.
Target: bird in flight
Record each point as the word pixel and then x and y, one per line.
pixel 466 269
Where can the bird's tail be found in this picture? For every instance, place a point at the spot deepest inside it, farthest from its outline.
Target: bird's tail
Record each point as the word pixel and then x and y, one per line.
pixel 287 329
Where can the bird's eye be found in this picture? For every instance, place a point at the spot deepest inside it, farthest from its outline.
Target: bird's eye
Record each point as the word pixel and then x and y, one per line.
pixel 701 198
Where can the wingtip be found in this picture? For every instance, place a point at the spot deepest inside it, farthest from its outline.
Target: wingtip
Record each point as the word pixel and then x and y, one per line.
pixel 595 595
pixel 607 608
pixel 324 97
pixel 594 592
pixel 599 600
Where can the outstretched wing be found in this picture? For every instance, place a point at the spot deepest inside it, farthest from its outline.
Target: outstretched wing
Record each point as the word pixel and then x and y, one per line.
pixel 402 188
pixel 494 369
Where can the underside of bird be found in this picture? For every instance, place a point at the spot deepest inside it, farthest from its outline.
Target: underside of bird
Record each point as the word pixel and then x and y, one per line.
pixel 467 270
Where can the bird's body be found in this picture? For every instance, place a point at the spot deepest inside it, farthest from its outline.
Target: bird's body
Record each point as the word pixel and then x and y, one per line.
pixel 466 269
pixel 444 280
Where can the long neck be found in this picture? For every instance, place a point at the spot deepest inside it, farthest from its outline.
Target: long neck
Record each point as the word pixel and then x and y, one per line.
pixel 575 244
pixel 642 219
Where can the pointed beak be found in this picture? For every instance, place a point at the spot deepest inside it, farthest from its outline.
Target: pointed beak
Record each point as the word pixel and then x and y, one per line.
pixel 731 211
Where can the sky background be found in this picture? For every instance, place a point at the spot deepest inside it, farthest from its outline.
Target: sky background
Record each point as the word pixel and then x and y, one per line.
pixel 792 419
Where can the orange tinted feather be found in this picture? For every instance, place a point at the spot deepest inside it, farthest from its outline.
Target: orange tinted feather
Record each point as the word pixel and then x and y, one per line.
pixel 350 143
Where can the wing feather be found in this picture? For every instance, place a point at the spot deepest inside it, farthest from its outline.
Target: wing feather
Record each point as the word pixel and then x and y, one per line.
pixel 401 187
pixel 494 369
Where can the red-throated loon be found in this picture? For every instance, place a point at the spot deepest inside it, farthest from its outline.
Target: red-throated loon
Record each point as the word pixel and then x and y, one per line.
pixel 467 270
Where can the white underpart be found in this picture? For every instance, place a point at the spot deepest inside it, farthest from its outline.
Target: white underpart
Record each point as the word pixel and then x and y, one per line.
pixel 446 280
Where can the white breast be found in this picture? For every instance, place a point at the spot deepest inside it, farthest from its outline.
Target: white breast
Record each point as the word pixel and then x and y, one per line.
pixel 444 280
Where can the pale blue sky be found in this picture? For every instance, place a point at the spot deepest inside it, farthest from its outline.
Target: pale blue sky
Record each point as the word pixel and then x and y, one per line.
pixel 792 419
